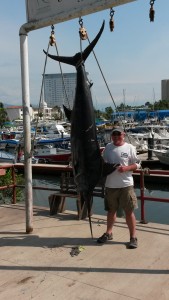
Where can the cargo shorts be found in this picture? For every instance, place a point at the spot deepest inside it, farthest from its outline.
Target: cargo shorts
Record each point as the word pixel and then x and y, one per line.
pixel 120 198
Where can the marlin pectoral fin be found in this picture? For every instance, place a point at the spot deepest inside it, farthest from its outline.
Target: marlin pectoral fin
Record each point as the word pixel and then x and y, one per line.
pixel 68 112
pixel 108 168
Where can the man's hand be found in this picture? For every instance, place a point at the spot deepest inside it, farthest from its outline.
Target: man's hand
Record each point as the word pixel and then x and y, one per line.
pixel 122 169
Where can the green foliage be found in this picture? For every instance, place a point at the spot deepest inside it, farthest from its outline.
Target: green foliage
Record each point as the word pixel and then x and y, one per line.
pixel 6 195
pixel 3 115
pixel 123 107
pixel 108 112
pixel 40 115
pixel 103 114
pixel 161 104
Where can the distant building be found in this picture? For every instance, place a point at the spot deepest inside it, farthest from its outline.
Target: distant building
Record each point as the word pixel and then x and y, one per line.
pixel 44 110
pixel 165 89
pixel 16 112
pixel 54 92
pixel 55 86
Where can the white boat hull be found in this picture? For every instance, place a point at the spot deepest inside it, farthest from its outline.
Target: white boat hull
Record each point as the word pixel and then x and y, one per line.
pixel 163 156
pixel 6 157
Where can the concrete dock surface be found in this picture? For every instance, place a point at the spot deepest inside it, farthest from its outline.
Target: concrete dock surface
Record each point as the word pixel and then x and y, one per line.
pixel 40 266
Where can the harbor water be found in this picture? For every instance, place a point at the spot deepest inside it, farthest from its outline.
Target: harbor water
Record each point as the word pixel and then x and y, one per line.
pixel 156 212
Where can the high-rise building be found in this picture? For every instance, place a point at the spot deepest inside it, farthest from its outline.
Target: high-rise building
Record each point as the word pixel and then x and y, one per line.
pixel 55 86
pixel 165 89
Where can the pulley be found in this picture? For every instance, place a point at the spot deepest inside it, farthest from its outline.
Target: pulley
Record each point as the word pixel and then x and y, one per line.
pixel 82 30
pixel 111 22
pixel 152 11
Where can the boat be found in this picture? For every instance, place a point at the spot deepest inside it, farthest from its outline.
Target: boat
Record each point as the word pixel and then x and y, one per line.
pixel 139 136
pixel 53 150
pixel 51 130
pixel 53 155
pixel 9 152
pixel 162 155
pixel 6 157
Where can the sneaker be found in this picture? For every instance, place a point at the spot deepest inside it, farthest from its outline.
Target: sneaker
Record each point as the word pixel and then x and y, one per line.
pixel 133 243
pixel 104 238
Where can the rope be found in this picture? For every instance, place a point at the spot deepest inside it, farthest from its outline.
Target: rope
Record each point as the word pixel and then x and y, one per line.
pixel 64 86
pixel 40 100
pixel 108 89
pixel 51 43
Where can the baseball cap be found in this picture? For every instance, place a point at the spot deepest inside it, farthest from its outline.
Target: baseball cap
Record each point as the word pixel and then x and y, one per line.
pixel 118 129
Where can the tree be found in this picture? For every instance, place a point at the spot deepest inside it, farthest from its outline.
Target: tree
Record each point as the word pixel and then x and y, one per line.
pixel 3 115
pixel 147 104
pixel 40 115
pixel 121 107
pixel 108 112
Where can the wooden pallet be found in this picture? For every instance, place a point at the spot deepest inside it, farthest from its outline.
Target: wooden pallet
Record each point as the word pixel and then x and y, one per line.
pixel 68 190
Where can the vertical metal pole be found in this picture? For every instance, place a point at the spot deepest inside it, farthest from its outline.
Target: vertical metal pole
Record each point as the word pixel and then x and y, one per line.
pixel 14 185
pixel 142 197
pixel 27 130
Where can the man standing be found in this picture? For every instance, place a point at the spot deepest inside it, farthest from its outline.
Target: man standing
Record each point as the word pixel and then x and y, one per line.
pixel 119 190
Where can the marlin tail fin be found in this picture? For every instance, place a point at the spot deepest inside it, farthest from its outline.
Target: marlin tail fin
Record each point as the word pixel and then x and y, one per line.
pixel 78 57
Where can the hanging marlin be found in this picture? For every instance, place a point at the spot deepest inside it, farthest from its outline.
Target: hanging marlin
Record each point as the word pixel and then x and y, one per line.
pixel 87 162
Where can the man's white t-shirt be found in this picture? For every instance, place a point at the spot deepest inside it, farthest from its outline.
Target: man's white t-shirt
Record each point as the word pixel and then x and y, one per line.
pixel 124 155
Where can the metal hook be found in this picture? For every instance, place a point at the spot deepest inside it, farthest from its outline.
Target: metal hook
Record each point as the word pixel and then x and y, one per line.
pixel 112 12
pixel 81 22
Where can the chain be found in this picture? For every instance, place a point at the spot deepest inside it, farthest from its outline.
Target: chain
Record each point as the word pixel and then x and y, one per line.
pixel 81 22
pixel 52 40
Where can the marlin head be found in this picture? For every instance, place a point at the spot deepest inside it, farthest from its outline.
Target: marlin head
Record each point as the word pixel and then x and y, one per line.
pixel 78 58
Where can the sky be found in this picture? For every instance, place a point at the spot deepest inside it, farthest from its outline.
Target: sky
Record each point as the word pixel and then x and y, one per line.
pixel 134 58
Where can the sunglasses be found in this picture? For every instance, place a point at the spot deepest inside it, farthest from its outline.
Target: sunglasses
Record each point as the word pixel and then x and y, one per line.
pixel 116 133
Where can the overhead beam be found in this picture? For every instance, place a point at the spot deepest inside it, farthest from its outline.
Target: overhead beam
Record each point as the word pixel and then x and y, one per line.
pixel 42 13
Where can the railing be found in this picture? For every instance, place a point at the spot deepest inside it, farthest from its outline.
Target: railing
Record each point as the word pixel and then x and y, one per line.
pixel 142 197
pixel 13 184
pixel 99 190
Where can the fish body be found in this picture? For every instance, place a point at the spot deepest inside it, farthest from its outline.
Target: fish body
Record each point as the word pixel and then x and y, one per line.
pixel 87 161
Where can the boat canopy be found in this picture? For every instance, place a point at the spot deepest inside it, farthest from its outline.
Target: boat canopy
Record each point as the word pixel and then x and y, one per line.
pixel 141 115
pixel 10 142
pixel 50 141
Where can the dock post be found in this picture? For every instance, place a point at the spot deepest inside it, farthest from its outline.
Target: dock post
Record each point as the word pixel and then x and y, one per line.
pixel 150 147
pixel 27 129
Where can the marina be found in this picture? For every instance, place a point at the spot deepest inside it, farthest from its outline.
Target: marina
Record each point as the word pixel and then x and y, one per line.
pixel 53 171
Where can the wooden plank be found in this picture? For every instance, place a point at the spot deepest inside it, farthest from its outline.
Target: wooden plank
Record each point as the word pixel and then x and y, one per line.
pixel 56 203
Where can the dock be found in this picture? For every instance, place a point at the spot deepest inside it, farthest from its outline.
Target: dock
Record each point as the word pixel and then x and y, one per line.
pixel 40 265
pixel 58 168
